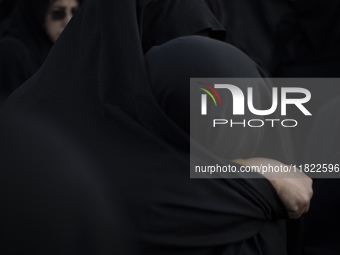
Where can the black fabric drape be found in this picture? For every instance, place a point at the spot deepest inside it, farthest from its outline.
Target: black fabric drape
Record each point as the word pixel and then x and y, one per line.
pixel 287 38
pixel 55 199
pixel 96 72
pixel 170 67
pixel 323 137
pixel 6 8
pixel 249 29
pixel 24 44
pixel 164 22
pixel 323 147
pixel 297 39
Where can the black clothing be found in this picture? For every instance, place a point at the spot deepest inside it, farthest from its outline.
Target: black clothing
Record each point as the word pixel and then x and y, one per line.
pixel 286 38
pixel 170 67
pixel 323 141
pixel 96 72
pixel 54 199
pixel 24 45
pixel 158 27
pixel 323 147
pixel 250 26
pixel 6 7
pixel 298 39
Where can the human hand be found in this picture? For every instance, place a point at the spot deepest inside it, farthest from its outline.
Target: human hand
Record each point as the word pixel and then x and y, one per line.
pixel 294 188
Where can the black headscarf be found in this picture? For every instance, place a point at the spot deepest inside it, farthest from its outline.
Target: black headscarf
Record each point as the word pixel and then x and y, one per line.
pixel 24 45
pixel 164 22
pixel 27 25
pixel 96 71
pixel 171 65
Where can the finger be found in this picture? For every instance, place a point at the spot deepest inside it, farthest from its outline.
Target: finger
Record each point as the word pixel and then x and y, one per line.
pixel 307 209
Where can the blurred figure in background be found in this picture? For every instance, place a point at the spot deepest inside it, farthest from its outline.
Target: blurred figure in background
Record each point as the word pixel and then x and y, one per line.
pixel 295 39
pixel 322 223
pixel 286 38
pixel 6 8
pixel 29 36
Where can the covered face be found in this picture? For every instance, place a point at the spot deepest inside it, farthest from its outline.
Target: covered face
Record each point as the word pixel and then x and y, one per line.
pixel 59 14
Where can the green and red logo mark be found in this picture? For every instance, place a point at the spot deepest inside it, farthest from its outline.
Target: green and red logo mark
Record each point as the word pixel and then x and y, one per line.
pixel 204 97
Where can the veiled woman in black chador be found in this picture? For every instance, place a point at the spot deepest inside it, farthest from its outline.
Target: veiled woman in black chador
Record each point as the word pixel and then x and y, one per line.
pixel 28 37
pixel 98 72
